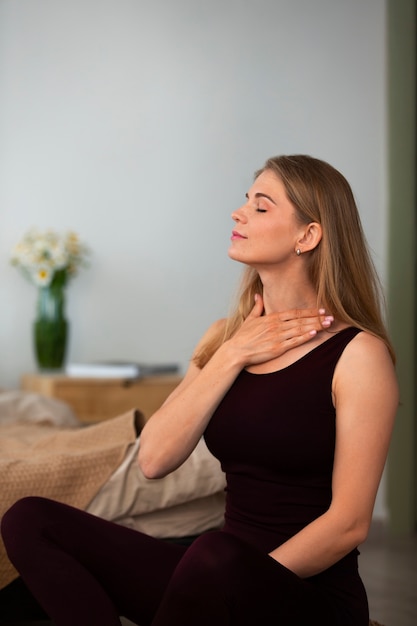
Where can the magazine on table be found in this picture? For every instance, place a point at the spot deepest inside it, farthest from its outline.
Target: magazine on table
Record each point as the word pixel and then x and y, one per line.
pixel 119 369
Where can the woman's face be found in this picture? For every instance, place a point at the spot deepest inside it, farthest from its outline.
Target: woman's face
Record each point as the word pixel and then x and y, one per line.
pixel 267 228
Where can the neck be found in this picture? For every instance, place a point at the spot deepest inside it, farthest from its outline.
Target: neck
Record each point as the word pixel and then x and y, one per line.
pixel 282 295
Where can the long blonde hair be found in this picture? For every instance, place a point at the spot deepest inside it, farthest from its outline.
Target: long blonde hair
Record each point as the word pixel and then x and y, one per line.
pixel 340 267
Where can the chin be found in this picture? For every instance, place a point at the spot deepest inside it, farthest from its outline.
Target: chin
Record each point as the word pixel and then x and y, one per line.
pixel 234 254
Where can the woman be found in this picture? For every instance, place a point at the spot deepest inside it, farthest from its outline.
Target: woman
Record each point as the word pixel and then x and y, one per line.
pixel 300 413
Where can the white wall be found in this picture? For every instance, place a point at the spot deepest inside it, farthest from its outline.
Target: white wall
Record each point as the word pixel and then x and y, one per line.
pixel 139 125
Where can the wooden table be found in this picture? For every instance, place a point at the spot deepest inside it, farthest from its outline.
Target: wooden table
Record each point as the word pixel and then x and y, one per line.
pixel 97 399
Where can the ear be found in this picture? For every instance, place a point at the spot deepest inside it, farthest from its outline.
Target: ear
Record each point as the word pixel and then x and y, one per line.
pixel 310 238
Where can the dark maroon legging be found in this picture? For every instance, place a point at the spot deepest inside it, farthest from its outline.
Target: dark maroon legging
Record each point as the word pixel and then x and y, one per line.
pixel 86 571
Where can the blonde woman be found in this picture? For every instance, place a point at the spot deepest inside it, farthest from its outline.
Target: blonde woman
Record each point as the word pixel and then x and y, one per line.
pixel 296 394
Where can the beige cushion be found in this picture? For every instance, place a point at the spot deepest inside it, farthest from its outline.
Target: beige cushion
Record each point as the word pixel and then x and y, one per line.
pixel 185 502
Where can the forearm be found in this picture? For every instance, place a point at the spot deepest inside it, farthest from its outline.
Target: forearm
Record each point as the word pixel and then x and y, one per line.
pixel 172 433
pixel 320 544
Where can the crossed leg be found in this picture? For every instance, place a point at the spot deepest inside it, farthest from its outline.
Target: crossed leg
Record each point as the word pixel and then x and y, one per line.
pixel 84 570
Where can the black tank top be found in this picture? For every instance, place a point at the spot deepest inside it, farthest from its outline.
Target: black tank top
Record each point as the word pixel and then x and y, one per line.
pixel 274 435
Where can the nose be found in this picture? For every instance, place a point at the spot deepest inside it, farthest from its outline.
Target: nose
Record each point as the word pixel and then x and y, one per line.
pixel 239 215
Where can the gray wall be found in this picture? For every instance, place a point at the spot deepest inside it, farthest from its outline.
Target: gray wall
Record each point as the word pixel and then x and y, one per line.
pixel 139 125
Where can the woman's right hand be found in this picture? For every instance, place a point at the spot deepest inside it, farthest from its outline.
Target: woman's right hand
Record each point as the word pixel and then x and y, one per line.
pixel 174 430
pixel 263 337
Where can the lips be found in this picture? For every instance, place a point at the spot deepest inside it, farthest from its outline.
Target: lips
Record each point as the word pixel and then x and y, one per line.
pixel 236 235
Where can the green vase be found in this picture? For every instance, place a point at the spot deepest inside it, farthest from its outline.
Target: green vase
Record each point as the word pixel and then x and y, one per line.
pixel 51 326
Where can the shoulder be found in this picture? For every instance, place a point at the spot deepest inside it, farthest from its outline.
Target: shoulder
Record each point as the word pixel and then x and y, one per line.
pixel 368 347
pixel 366 362
pixel 194 368
pixel 214 330
pixel 217 327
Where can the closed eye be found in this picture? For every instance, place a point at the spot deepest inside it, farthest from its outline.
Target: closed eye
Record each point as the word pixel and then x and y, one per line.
pixel 259 210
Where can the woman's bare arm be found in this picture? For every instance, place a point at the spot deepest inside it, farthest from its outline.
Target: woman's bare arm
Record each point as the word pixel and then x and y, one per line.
pixel 366 400
pixel 172 433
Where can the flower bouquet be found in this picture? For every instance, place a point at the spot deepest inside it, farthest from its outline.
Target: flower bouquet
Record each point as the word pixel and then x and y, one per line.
pixel 49 260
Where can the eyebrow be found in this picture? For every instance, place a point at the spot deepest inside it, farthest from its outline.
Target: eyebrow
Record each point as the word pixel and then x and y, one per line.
pixel 262 195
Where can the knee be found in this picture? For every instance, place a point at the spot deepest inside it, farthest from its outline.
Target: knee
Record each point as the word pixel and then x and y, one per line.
pixel 21 521
pixel 214 556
